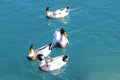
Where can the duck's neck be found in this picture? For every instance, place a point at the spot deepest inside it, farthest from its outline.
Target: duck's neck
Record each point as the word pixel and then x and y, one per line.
pixel 61 38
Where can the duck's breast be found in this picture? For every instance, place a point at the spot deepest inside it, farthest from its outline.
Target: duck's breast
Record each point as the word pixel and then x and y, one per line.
pixel 64 41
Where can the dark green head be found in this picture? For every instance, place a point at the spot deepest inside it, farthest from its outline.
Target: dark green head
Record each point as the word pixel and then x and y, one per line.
pixel 62 31
pixel 65 58
pixel 40 57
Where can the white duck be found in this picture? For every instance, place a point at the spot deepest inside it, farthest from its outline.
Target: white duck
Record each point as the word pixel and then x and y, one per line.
pixel 53 64
pixel 60 39
pixel 60 13
pixel 45 51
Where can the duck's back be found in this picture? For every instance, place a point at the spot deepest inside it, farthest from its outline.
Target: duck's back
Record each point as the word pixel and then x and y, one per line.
pixel 57 37
pixel 43 50
pixel 56 63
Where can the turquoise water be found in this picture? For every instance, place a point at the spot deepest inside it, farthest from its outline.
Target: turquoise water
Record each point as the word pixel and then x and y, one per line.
pixel 93 31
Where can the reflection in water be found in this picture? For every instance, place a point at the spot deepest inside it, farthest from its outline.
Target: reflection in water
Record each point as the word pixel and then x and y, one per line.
pixel 48 22
pixel 62 20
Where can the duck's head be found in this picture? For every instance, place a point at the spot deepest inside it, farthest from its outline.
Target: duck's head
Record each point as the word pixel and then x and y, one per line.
pixel 40 57
pixel 68 7
pixel 62 31
pixel 65 58
pixel 32 49
pixel 31 55
pixel 47 10
pixel 50 46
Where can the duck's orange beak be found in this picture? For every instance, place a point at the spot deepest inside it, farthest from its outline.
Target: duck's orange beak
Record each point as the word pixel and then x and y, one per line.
pixel 65 34
pixel 34 58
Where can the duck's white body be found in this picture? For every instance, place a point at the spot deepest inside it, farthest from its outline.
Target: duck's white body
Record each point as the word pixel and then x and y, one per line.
pixel 53 64
pixel 45 51
pixel 60 39
pixel 60 13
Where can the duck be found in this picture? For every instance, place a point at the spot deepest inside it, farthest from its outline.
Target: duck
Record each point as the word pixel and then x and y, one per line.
pixel 60 39
pixel 44 50
pixel 52 64
pixel 60 13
